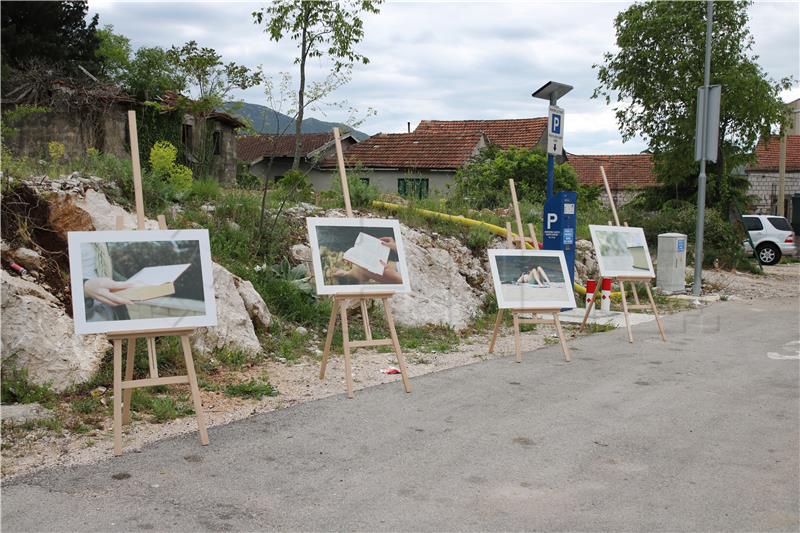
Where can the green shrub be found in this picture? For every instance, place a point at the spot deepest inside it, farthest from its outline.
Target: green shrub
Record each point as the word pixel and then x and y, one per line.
pixel 294 186
pixel 164 167
pixel 362 193
pixel 205 190
pixel 17 388
pixel 478 238
pixel 245 178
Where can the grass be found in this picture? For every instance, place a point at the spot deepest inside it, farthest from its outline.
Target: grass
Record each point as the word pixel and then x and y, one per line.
pixel 16 387
pixel 253 389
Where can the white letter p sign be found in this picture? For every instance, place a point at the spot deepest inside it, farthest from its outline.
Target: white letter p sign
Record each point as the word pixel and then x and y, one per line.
pixel 551 218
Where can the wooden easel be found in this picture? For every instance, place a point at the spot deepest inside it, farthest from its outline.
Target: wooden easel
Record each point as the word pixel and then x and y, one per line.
pixel 631 279
pixel 340 306
pixel 122 413
pixel 555 321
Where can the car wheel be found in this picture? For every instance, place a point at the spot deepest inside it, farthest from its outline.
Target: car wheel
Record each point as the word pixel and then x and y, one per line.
pixel 769 254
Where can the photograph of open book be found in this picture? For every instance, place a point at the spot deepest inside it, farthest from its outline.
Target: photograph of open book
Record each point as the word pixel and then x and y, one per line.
pixel 352 255
pixel 531 279
pixel 621 251
pixel 139 280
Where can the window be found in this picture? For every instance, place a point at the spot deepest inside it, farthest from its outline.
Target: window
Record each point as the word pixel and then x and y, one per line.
pixel 186 137
pixel 365 181
pixel 216 141
pixel 780 223
pixel 752 224
pixel 413 187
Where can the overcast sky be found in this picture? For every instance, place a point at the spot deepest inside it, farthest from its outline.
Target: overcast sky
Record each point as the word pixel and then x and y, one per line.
pixel 451 60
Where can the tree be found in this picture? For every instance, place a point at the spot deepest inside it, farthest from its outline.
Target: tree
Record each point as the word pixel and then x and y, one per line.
pixel 320 28
pixel 653 80
pixel 201 70
pixel 113 53
pixel 53 31
pixel 150 73
pixel 483 182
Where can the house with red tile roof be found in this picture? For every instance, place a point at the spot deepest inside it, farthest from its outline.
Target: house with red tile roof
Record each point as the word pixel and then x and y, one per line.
pixel 763 175
pixel 627 174
pixel 257 151
pixel 426 159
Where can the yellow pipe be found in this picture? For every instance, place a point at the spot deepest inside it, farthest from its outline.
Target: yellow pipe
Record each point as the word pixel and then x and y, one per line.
pixel 459 219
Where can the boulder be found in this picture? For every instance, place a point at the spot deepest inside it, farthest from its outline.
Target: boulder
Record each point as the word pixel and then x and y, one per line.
pixel 253 302
pixel 38 335
pixel 65 216
pixel 234 328
pixel 439 293
pixel 104 214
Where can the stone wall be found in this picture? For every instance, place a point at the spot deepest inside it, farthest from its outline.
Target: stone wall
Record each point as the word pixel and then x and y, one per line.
pixel 74 129
pixel 764 186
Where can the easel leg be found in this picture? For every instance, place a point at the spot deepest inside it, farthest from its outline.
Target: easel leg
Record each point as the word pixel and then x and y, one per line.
pixel 589 307
pixel 198 405
pixel 625 311
pixel 497 322
pixel 328 339
pixel 365 321
pixel 401 361
pixel 348 371
pixel 517 340
pixel 151 357
pixel 117 396
pixel 635 293
pixel 655 312
pixel 564 347
pixel 126 408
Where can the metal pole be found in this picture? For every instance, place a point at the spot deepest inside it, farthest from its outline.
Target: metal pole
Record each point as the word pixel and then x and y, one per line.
pixel 551 160
pixel 701 182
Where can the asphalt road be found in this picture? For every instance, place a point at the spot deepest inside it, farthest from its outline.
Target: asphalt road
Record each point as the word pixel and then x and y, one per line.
pixel 699 433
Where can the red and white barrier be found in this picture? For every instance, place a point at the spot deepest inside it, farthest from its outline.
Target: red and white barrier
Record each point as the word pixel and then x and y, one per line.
pixel 605 303
pixel 591 288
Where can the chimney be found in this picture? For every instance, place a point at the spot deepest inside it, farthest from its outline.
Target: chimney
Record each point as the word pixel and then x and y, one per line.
pixel 409 127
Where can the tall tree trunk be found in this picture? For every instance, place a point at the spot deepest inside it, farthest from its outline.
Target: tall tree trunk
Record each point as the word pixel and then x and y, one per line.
pixel 298 124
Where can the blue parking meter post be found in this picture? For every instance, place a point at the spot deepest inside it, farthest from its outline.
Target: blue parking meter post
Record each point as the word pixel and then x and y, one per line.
pixel 559 226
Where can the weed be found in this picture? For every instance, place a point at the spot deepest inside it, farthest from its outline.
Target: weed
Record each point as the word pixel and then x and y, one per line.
pixel 86 406
pixel 599 328
pixel 253 389
pixel 17 388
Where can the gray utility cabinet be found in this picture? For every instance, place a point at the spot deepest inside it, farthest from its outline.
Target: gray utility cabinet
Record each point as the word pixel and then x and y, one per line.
pixel 671 263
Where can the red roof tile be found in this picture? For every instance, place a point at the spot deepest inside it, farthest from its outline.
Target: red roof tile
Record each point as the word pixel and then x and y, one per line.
pixel 254 147
pixel 768 154
pixel 411 151
pixel 630 171
pixel 522 132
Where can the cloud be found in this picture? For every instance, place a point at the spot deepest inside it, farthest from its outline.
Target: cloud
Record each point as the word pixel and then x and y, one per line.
pixel 451 60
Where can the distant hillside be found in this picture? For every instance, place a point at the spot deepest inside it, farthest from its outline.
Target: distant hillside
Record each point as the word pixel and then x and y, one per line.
pixel 266 120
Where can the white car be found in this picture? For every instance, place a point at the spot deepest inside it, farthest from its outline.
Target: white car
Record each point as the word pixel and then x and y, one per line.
pixel 772 237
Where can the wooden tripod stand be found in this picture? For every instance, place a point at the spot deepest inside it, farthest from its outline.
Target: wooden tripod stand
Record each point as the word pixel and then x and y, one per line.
pixel 515 313
pixel 646 280
pixel 122 415
pixel 340 307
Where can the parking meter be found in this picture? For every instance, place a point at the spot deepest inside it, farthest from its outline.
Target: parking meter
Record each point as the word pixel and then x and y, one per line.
pixel 559 226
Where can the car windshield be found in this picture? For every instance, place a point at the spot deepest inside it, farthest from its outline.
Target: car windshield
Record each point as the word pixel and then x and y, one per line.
pixel 780 223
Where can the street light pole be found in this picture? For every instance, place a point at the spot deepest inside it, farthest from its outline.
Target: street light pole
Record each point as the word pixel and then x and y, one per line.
pixel 551 159
pixel 701 181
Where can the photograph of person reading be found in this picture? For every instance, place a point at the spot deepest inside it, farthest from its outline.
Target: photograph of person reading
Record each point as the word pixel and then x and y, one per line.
pixel 359 255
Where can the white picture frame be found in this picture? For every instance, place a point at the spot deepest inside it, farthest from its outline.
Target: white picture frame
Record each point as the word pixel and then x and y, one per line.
pixel 175 288
pixel 332 239
pixel 531 279
pixel 622 251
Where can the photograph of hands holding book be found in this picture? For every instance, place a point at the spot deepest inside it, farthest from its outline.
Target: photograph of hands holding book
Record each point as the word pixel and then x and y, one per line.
pixel 357 255
pixel 120 282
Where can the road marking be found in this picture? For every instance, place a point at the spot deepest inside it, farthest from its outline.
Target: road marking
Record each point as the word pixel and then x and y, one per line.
pixel 776 355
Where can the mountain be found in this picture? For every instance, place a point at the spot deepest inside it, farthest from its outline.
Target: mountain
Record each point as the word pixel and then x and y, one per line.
pixel 266 120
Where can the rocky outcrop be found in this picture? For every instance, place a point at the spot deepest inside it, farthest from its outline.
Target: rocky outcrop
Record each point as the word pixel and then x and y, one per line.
pixel 439 293
pixel 234 329
pixel 39 336
pixel 585 261
pixel 37 333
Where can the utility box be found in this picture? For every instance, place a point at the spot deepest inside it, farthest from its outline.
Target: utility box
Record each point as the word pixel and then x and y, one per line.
pixel 671 263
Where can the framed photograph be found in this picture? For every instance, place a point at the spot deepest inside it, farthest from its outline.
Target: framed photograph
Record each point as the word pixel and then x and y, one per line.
pixel 621 252
pixel 531 279
pixel 141 280
pixel 357 255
